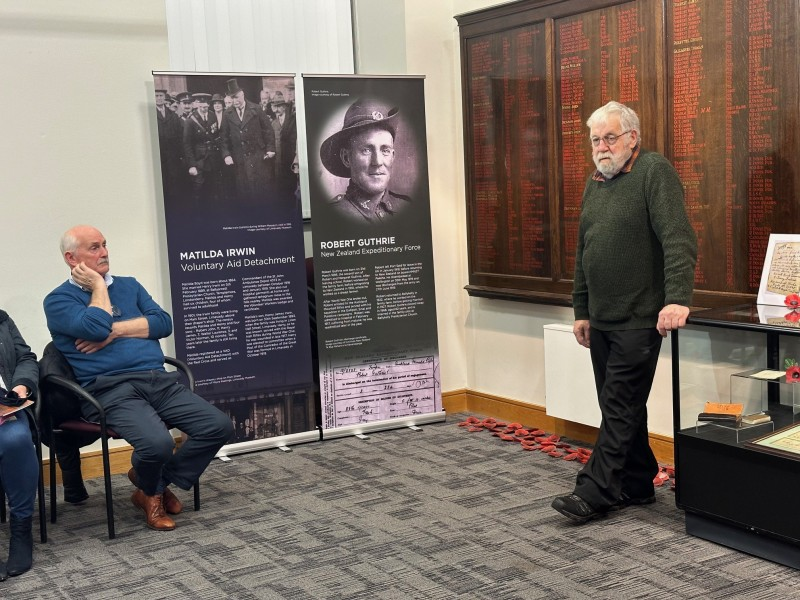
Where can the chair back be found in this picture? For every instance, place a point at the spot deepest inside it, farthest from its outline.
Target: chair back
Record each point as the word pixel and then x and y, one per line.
pixel 57 402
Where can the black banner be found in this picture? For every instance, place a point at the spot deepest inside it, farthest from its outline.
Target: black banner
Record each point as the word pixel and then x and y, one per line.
pixel 236 258
pixel 370 207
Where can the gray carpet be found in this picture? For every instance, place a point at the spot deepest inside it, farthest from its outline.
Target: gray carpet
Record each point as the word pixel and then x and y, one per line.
pixel 438 513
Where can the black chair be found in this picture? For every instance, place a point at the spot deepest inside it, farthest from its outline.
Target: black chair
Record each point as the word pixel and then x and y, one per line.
pixel 55 386
pixel 37 441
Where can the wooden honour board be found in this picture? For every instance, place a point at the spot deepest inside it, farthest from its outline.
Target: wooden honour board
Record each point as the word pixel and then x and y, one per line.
pixel 715 84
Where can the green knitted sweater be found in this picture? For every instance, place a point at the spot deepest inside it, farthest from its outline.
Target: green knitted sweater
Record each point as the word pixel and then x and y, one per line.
pixel 636 248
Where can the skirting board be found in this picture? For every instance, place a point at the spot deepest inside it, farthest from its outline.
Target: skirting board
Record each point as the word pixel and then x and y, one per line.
pixel 454 401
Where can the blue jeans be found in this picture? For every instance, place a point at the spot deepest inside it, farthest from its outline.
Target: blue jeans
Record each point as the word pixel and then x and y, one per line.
pixel 19 467
pixel 139 406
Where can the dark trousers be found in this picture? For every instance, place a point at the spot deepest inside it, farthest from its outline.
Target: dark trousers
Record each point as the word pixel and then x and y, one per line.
pixel 139 405
pixel 622 462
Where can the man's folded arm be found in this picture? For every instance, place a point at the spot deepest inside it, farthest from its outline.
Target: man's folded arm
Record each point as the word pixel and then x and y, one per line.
pixel 68 316
pixel 159 323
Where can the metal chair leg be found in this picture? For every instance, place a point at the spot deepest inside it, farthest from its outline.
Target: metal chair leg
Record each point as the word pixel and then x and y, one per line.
pixel 53 494
pixel 197 496
pixel 40 493
pixel 107 477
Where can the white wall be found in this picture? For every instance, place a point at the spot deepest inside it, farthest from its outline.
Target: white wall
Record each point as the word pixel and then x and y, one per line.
pixel 379 35
pixel 80 143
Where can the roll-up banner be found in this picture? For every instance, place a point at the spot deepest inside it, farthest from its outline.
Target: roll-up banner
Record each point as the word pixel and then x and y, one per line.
pixel 228 147
pixel 373 262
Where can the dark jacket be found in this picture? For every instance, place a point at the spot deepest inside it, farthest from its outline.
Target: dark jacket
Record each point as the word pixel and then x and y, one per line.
pixel 200 143
pixel 247 142
pixel 17 363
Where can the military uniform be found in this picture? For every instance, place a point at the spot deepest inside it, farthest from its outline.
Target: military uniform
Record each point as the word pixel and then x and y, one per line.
pixel 169 142
pixel 354 204
pixel 201 149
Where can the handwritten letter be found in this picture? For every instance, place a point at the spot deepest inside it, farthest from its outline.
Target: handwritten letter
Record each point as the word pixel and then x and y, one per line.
pixel 784 270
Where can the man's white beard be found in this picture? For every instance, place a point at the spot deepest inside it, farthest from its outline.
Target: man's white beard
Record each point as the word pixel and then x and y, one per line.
pixel 608 169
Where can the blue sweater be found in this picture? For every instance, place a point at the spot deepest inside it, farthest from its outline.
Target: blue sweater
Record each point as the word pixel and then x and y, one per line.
pixel 69 317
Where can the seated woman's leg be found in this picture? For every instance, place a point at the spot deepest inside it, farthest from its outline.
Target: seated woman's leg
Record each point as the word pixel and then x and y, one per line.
pixel 19 472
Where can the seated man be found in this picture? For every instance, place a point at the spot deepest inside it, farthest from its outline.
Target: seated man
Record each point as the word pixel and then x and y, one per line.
pixel 108 329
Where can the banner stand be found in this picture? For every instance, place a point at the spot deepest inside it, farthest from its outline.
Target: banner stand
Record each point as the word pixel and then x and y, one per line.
pixel 375 296
pixel 232 209
pixel 270 442
pixel 284 441
pixel 399 423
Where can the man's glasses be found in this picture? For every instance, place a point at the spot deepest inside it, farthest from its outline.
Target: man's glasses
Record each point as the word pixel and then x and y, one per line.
pixel 610 139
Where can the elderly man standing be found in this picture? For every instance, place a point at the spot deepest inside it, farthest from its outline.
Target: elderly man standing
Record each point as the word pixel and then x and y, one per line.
pixel 634 274
pixel 364 151
pixel 248 145
pixel 108 329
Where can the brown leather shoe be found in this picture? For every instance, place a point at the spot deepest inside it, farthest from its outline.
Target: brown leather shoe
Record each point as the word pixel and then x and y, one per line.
pixel 172 505
pixel 153 507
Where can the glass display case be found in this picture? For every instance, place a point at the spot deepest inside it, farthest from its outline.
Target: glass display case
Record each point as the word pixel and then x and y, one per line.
pixel 738 483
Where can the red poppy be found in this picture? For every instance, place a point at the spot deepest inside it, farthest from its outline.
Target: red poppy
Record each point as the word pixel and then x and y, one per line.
pixel 793 374
pixel 792 300
pixel 793 316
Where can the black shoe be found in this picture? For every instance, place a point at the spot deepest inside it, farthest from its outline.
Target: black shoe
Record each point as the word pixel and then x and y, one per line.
pixel 576 508
pixel 69 459
pixel 20 550
pixel 75 494
pixel 3 572
pixel 627 501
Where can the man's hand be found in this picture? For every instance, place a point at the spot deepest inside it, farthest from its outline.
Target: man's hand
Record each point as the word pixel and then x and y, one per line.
pixel 228 161
pixel 88 347
pixel 672 316
pixel 269 155
pixel 193 171
pixel 87 278
pixel 581 331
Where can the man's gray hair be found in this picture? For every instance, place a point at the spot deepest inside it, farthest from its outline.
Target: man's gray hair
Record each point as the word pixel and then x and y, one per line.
pixel 628 119
pixel 69 243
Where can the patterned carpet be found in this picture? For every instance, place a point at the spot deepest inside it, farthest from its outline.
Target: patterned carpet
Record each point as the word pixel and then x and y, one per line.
pixel 432 514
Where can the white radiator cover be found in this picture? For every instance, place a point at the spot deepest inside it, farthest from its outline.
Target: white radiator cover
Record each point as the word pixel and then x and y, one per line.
pixel 569 388
pixel 569 382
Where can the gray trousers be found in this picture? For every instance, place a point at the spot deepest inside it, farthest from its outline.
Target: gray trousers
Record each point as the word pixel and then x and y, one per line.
pixel 141 407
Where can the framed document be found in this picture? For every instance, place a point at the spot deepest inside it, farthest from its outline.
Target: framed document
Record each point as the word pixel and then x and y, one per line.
pixel 784 442
pixel 780 276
